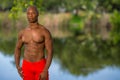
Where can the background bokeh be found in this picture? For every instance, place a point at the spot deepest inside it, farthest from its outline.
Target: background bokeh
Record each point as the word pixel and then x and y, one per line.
pixel 86 37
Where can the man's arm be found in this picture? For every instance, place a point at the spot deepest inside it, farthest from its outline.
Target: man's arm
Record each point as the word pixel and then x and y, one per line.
pixel 17 53
pixel 49 49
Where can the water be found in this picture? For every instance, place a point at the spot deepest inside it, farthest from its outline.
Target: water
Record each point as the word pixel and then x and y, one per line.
pixel 9 72
pixel 73 60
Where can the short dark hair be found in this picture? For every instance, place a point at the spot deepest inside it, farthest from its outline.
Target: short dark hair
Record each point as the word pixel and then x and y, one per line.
pixel 34 7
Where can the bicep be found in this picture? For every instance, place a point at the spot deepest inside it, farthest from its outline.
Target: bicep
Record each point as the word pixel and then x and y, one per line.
pixel 48 40
pixel 19 41
pixel 19 44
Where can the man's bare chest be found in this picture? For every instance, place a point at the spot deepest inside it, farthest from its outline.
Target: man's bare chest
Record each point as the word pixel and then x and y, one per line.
pixel 31 36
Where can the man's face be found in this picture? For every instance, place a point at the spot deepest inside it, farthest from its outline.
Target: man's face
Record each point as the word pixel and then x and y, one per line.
pixel 32 15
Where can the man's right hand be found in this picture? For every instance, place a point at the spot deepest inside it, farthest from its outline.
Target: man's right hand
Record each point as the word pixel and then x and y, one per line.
pixel 20 71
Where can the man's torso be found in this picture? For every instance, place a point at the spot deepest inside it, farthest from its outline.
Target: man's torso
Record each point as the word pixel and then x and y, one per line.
pixel 34 42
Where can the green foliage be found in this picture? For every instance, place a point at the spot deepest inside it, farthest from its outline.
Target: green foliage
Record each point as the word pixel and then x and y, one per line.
pixel 7 46
pixel 116 2
pixel 6 4
pixel 51 4
pixel 69 5
pixel 76 25
pixel 21 5
pixel 80 4
pixel 55 5
pixel 109 5
pixel 115 32
pixel 85 55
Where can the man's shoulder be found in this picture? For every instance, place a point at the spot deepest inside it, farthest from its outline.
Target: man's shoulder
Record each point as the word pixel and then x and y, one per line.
pixel 21 32
pixel 44 29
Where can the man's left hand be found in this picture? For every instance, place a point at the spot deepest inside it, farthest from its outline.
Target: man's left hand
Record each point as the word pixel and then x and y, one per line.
pixel 43 75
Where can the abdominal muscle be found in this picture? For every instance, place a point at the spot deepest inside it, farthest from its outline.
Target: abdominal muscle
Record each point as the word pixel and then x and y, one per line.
pixel 34 52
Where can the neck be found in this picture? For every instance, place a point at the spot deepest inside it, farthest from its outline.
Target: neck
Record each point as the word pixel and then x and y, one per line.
pixel 33 25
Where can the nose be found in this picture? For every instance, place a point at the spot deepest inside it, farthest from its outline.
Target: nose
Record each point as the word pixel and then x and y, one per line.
pixel 30 15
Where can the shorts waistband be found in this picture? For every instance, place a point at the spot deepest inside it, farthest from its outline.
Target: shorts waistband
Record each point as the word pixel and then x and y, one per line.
pixel 42 60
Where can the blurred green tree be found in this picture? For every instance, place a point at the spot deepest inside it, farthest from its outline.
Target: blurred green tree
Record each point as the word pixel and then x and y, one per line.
pixel 6 5
pixel 21 5
pixel 115 32
pixel 68 5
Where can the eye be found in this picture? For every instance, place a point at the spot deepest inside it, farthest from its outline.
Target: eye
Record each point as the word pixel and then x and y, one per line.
pixel 33 12
pixel 28 13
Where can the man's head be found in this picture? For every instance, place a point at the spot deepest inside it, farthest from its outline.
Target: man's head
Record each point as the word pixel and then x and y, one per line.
pixel 32 14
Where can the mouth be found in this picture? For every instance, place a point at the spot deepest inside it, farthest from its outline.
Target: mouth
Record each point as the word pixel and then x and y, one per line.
pixel 30 19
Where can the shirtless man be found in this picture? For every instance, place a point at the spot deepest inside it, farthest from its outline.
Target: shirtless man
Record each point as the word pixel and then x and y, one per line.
pixel 36 39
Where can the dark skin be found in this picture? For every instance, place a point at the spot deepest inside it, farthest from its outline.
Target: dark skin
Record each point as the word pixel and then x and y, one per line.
pixel 36 38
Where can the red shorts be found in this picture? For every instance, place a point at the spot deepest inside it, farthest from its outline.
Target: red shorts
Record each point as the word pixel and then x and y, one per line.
pixel 32 70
